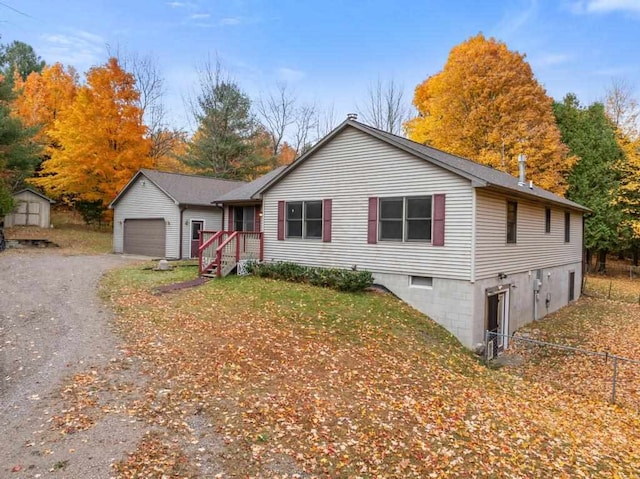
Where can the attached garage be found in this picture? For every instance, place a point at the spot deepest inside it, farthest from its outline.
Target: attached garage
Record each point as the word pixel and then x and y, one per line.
pixel 156 213
pixel 145 236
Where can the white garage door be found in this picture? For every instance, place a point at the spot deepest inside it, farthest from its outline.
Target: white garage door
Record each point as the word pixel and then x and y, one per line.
pixel 146 237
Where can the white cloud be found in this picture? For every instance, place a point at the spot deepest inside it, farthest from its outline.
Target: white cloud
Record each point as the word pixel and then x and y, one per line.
pixel 200 16
pixel 78 48
pixel 180 4
pixel 605 6
pixel 230 21
pixel 290 75
pixel 513 21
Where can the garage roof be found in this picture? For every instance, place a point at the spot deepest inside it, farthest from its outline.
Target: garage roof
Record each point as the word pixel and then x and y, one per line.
pixel 184 189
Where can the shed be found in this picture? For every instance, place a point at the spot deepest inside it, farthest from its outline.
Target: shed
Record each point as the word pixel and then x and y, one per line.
pixel 32 209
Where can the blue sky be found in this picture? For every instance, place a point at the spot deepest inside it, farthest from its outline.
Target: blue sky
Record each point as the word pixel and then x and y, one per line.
pixel 329 51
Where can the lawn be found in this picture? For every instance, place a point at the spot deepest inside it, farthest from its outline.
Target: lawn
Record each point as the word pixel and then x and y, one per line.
pixel 299 381
pixel 69 232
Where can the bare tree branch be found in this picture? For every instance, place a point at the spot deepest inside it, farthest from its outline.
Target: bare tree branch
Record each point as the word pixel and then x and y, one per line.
pixel 306 122
pixel 326 121
pixel 150 85
pixel 385 107
pixel 277 112
pixel 622 108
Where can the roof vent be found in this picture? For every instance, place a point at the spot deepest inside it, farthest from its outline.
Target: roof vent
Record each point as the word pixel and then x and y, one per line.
pixel 352 116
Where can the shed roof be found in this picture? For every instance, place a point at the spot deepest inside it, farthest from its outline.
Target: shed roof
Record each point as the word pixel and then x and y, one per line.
pixel 246 192
pixel 480 175
pixel 184 189
pixel 37 193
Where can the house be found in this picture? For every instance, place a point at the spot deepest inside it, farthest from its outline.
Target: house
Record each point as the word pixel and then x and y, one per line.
pixel 472 247
pixel 32 209
pixel 161 214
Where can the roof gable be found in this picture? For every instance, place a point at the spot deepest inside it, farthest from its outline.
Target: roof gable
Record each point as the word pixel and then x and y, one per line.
pixel 37 193
pixel 184 189
pixel 479 175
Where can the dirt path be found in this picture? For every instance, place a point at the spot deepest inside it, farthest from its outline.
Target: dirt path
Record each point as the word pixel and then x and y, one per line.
pixel 52 327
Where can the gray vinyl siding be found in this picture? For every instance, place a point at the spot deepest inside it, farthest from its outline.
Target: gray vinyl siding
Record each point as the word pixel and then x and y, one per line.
pixel 534 249
pixel 349 169
pixel 145 200
pixel 212 222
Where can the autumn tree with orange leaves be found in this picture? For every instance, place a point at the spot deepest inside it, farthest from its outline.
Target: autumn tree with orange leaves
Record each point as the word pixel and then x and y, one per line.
pixel 102 137
pixel 486 105
pixel 41 98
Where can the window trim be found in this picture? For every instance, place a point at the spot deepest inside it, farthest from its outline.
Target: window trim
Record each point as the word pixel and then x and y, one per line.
pixel 405 219
pixel 303 220
pixel 513 240
pixel 427 282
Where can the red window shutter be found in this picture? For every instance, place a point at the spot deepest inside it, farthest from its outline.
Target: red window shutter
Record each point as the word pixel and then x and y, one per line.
pixel 326 220
pixel 372 232
pixel 438 220
pixel 256 219
pixel 280 220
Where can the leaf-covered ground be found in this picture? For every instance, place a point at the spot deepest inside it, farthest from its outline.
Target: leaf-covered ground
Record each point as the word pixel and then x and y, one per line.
pixel 621 288
pixel 260 378
pixel 595 325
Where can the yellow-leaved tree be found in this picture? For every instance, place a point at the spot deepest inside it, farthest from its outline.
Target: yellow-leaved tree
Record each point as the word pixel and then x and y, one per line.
pixel 102 141
pixel 487 106
pixel 623 111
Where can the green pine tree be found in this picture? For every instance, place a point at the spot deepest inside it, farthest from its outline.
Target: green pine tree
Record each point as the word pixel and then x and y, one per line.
pixel 19 152
pixel 594 179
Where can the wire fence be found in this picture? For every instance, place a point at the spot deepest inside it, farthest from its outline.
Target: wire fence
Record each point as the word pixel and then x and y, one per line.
pixel 595 374
pixel 617 281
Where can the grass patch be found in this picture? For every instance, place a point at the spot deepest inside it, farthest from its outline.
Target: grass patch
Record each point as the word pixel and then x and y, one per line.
pixel 342 385
pixel 68 232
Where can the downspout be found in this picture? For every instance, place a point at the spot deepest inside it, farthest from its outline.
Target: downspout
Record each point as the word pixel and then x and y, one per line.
pixel 181 231
pixel 473 235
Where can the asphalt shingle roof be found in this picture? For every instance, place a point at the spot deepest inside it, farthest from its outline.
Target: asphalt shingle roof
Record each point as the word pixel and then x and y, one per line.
pixel 187 189
pixel 484 175
pixel 246 191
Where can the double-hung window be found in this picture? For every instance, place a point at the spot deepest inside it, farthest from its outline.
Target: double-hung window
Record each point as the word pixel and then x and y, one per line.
pixel 304 219
pixel 405 219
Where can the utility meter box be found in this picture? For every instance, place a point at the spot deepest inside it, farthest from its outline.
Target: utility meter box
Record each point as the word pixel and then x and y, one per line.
pixel 537 284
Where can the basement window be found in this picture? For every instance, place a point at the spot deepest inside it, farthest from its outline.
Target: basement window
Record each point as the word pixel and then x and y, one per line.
pixel 425 282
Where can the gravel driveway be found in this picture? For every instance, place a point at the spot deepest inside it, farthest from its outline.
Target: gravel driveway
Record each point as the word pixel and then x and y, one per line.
pixel 52 326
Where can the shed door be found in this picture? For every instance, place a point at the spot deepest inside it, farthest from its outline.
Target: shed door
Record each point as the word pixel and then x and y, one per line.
pixel 146 237
pixel 27 213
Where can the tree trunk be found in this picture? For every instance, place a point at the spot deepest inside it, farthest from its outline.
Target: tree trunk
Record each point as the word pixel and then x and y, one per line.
pixel 636 251
pixel 588 259
pixel 602 262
